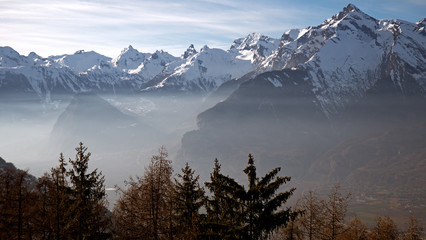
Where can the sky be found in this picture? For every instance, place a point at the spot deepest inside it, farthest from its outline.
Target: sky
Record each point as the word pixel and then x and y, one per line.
pixel 55 27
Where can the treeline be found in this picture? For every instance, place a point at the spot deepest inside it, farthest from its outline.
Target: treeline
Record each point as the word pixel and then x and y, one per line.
pixel 325 219
pixel 156 206
pixel 69 202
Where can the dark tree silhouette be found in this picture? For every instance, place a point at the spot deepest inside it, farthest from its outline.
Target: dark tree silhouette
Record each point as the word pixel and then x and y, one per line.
pixel 189 198
pixel 222 217
pixel 88 211
pixel 258 210
pixel 17 199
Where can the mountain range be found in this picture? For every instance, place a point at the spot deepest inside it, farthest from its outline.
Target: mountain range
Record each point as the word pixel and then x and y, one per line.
pixel 132 71
pixel 364 47
pixel 342 101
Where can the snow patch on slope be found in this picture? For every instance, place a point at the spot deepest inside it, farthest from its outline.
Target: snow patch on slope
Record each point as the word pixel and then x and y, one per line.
pixel 275 82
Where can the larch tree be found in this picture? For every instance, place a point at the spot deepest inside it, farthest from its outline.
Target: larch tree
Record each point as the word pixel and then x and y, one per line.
pixel 311 220
pixel 385 229
pixel 53 201
pixel 61 192
pixel 145 210
pixel 131 211
pixel 45 205
pixel 414 230
pixel 158 179
pixel 293 231
pixel 335 209
pixel 17 189
pixel 356 230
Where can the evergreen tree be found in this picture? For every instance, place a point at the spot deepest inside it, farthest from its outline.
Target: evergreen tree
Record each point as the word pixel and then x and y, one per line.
pixel 292 231
pixel 188 201
pixel 253 213
pixel 261 203
pixel 222 208
pixel 88 210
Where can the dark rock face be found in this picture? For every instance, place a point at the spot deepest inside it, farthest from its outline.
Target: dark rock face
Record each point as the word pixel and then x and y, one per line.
pixel 4 164
pixel 350 77
pixel 276 116
pixel 263 119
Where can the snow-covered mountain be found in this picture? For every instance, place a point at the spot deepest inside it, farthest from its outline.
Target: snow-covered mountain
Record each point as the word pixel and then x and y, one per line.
pixel 344 56
pixel 154 65
pixel 345 100
pixel 189 52
pixel 206 70
pixel 132 70
pixel 78 72
pixel 349 52
pixel 33 74
pixel 129 59
pixel 254 47
pixel 129 71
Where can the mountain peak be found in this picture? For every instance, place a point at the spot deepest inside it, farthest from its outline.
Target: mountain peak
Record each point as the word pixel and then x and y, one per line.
pixel 189 52
pixel 246 42
pixel 33 55
pixel 254 35
pixel 129 58
pixel 4 164
pixel 8 51
pixel 162 56
pixel 128 49
pixel 349 10
pixel 253 41
pixel 205 48
pixel 9 57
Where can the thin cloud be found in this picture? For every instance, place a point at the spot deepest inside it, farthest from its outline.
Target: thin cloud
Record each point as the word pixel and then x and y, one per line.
pixel 83 21
pixel 50 27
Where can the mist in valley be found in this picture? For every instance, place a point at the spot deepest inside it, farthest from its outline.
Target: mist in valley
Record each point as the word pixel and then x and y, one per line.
pixel 317 131
pixel 121 131
pixel 124 131
pixel 284 128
